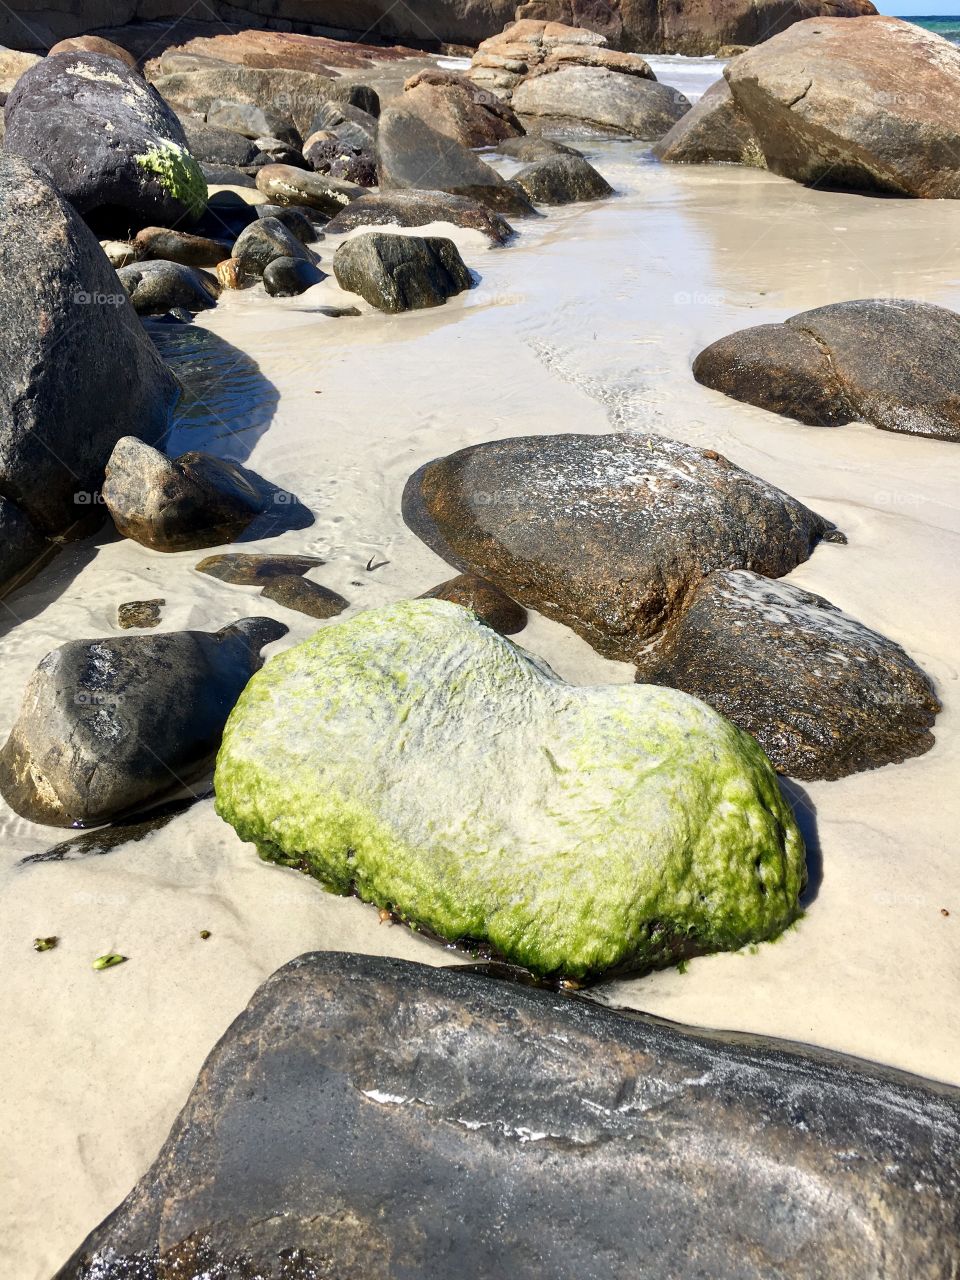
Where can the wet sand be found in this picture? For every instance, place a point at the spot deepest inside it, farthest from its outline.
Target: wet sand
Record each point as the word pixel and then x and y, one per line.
pixel 588 322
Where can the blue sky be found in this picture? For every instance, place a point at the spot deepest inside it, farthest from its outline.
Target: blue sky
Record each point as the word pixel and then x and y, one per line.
pixel 928 8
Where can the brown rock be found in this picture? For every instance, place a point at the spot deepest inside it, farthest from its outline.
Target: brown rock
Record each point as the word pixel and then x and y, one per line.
pixel 179 246
pixel 892 362
pixel 13 63
pixel 287 185
pixel 485 599
pixel 139 613
pixel 714 130
pixel 823 695
pixel 248 569
pixel 607 534
pixel 94 44
pixel 294 592
pixel 456 107
pixel 869 104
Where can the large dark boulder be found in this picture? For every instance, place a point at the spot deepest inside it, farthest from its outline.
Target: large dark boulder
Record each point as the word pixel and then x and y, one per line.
pixel 156 286
pixel 108 141
pixel 369 1117
pixel 823 695
pixel 410 154
pixel 607 534
pixel 79 371
pixel 109 726
pixel 419 208
pixel 889 361
pixel 401 273
pixel 866 104
pixel 562 179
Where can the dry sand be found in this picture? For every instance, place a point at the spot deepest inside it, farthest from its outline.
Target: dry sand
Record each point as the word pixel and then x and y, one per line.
pixel 589 323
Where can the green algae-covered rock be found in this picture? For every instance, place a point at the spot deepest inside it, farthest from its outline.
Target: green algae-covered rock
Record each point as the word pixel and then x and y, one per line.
pixel 415 757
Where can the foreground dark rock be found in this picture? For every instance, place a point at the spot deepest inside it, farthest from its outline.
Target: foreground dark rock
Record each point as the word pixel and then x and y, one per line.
pixel 360 1106
pixel 107 726
pixel 79 371
pixel 823 695
pixel 602 100
pixel 562 179
pixel 614 558
pixel 107 139
pixel 155 287
pixel 178 504
pixel 264 241
pixel 487 601
pixel 865 105
pixel 889 361
pixel 412 155
pixel 714 130
pixel 401 273
pixel 418 209
pixel 289 277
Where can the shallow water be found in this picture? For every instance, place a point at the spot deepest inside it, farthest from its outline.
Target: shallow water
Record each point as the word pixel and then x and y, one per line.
pixel 588 322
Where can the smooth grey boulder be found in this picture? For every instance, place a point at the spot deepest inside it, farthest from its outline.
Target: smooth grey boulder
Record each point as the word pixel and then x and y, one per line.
pixel 252 121
pixel 293 219
pixel 352 123
pixel 607 534
pixel 289 277
pixel 79 370
pixel 823 695
pixel 286 184
pixel 108 726
pixel 198 86
pixel 370 1117
pixel 178 504
pixel 401 273
pixel 212 145
pixel 562 179
pixel 892 362
pixel 600 100
pixel 156 286
pixel 419 209
pixel 262 242
pixel 530 149
pixel 412 155
pixel 108 141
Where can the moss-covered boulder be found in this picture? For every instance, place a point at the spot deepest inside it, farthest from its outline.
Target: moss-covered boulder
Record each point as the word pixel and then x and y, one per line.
pixel 418 759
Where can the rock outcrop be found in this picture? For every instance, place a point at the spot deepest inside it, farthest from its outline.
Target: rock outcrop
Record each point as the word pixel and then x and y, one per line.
pixel 79 370
pixel 823 695
pixel 107 140
pixel 419 759
pixel 458 108
pixel 362 1111
pixel 600 100
pixel 889 361
pixel 606 534
pixel 109 726
pixel 713 131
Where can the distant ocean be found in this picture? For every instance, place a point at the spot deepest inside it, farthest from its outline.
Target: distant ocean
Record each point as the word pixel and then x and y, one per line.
pixel 949 28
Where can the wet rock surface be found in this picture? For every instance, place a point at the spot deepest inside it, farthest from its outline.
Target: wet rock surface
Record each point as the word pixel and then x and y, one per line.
pixel 155 287
pixel 71 345
pixel 289 277
pixel 107 726
pixel 562 179
pixel 410 154
pixel 332 1128
pixel 823 695
pixel 178 504
pixel 401 273
pixel 491 605
pixel 418 209
pixel 607 534
pixel 140 613
pixel 304 596
pixel 109 142
pixel 889 361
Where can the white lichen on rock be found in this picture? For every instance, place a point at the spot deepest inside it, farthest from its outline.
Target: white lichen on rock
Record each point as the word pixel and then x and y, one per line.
pixel 417 758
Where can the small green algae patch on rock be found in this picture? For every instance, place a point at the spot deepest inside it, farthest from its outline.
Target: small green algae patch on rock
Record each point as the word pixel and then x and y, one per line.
pixel 419 759
pixel 178 173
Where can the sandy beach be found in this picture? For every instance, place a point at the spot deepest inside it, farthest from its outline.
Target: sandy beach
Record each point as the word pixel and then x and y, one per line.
pixel 588 321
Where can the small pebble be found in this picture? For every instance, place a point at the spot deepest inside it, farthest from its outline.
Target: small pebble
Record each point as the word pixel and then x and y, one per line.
pixel 109 960
pixel 45 944
pixel 204 933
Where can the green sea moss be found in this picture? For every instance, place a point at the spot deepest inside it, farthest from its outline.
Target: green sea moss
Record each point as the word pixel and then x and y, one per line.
pixel 178 173
pixel 415 757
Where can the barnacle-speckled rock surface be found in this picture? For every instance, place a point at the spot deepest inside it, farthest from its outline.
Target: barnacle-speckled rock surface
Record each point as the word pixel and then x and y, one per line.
pixel 417 758
pixel 365 1117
